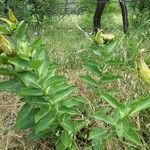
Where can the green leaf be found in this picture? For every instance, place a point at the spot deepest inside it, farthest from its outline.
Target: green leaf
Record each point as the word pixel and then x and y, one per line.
pixel 29 78
pixel 97 49
pixel 112 46
pixel 103 117
pixel 71 111
pixel 63 94
pixel 19 62
pixel 112 101
pixel 12 85
pixel 122 127
pixel 98 145
pixel 36 46
pixel 56 88
pixel 73 146
pixel 98 133
pixel 25 118
pixel 42 56
pixel 107 77
pixel 33 136
pixel 20 32
pixel 45 122
pixel 24 112
pixel 53 81
pixel 87 79
pixel 42 113
pixel 78 125
pixel 141 104
pixel 35 64
pixel 64 142
pixel 49 72
pixel 30 92
pixel 73 101
pixel 91 66
pixel 67 124
pixel 60 145
pixel 132 136
pixel 37 101
pixel 72 126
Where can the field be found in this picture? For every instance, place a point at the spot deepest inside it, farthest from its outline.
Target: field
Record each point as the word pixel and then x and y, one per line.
pixel 69 43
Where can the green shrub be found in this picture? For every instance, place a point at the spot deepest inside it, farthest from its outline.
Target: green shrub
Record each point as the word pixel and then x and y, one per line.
pixel 49 107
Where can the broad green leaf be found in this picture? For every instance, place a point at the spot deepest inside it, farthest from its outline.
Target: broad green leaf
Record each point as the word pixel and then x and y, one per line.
pixel 132 136
pixel 103 117
pixel 37 101
pixel 29 91
pixel 24 112
pixel 45 122
pixel 12 85
pixel 47 74
pixel 42 113
pixel 70 111
pixel 141 104
pixel 87 79
pixel 97 49
pixel 35 64
pixel 20 32
pixel 67 124
pixel 19 62
pixel 72 126
pixel 53 81
pixel 112 101
pixel 64 142
pixel 107 77
pixel 29 78
pixel 42 56
pixel 56 88
pixel 36 46
pixel 33 136
pixel 98 145
pixel 91 66
pixel 98 133
pixel 60 145
pixel 73 101
pixel 122 127
pixel 63 94
pixel 25 118
pixel 112 46
pixel 73 146
pixel 78 125
pixel 66 139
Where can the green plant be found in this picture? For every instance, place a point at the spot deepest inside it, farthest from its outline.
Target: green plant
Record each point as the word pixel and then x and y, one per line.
pixel 117 122
pixel 49 109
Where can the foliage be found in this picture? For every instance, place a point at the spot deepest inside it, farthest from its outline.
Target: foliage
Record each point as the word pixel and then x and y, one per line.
pixel 100 76
pixel 49 108
pixel 34 11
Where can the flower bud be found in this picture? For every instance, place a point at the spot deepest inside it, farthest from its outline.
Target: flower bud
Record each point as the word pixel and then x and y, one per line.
pixel 5 46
